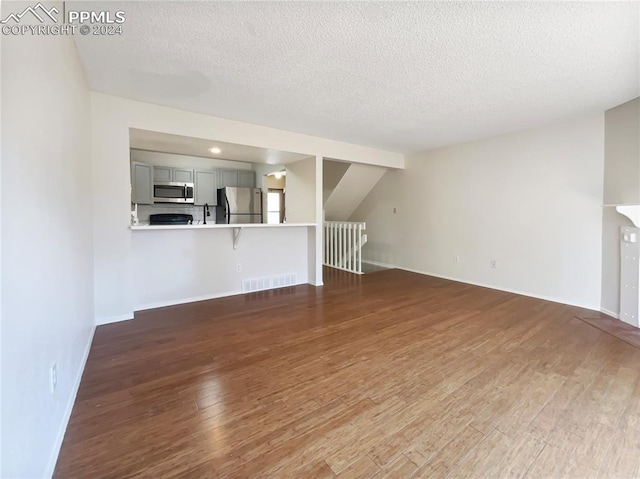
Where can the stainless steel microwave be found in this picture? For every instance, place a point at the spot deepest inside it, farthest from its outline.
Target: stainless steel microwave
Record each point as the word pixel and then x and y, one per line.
pixel 172 192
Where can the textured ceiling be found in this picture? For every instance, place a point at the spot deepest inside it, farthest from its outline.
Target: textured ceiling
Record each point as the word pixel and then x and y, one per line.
pixel 397 76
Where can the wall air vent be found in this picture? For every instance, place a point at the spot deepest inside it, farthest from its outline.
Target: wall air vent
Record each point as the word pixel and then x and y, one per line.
pixel 260 284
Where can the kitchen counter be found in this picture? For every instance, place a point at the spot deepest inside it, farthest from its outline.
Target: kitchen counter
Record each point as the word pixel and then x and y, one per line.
pixel 236 228
pixel 147 227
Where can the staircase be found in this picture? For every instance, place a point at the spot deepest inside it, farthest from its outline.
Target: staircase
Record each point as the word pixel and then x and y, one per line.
pixel 354 182
pixel 343 242
pixel 345 185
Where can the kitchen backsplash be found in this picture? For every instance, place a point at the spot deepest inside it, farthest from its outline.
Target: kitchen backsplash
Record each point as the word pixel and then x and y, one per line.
pixel 197 211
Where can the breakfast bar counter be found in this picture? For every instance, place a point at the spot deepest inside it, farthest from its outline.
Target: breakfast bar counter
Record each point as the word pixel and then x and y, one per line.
pixel 147 227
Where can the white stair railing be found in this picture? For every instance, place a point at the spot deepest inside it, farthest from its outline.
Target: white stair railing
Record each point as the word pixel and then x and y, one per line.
pixel 343 242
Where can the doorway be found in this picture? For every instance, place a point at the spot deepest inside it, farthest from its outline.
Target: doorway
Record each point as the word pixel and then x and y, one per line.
pixel 275 206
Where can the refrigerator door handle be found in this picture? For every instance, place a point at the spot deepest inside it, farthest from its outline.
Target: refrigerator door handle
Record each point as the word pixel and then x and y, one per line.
pixel 228 212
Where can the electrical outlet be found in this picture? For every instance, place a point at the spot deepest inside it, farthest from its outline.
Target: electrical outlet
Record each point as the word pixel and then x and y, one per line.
pixel 53 372
pixel 238 267
pixel 494 265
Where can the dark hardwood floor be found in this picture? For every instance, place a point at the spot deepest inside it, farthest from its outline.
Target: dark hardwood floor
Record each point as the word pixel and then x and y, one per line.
pixel 391 374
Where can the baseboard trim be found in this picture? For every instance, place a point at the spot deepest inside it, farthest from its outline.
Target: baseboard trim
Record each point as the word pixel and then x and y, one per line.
pixel 194 299
pixel 379 263
pixel 484 285
pixel 610 313
pixel 114 319
pixel 53 459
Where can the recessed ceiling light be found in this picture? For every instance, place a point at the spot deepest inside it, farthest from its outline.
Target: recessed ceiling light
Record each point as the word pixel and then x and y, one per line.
pixel 215 150
pixel 278 174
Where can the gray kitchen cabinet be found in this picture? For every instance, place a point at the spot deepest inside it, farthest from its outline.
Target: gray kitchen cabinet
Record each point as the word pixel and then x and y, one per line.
pixel 141 183
pixel 206 187
pixel 246 179
pixel 162 173
pixel 237 178
pixel 166 173
pixel 182 175
pixel 228 178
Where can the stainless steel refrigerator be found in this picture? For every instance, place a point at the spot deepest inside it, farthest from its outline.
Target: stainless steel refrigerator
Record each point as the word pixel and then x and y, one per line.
pixel 239 205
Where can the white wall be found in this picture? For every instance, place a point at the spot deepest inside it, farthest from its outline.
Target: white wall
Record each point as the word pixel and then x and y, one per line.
pixel 622 153
pixel 1 354
pixel 176 266
pixel 612 221
pixel 111 118
pixel 352 188
pixel 301 191
pixel 621 185
pixel 276 183
pixel 303 204
pixel 531 200
pixel 47 308
pixel 170 120
pixel 170 159
pixel 332 172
